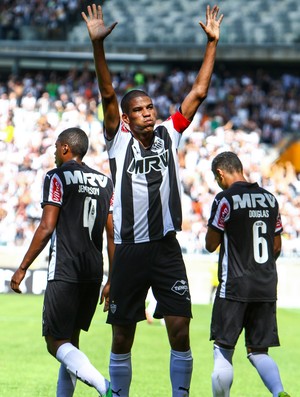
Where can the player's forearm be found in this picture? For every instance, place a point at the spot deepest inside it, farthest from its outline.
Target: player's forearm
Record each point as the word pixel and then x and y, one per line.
pixel 203 78
pixel 201 84
pixel 37 245
pixel 110 253
pixel 102 71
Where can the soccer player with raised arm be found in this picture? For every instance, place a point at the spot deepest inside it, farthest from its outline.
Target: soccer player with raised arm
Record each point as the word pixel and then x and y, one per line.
pixel 147 209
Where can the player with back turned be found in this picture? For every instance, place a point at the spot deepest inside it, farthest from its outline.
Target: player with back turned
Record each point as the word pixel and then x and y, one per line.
pixel 245 222
pixel 77 206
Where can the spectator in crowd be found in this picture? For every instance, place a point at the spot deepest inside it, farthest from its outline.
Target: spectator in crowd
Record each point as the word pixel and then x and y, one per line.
pixel 47 19
pixel 30 132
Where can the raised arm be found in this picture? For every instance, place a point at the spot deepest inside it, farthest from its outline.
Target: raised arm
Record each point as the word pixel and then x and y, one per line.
pixel 200 87
pixel 98 32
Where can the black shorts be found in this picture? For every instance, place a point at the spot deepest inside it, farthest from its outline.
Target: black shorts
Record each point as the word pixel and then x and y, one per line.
pixel 68 307
pixel 258 319
pixel 136 267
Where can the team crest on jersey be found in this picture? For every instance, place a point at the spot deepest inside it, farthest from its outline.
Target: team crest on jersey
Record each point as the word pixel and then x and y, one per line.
pixel 158 145
pixel 113 308
pixel 180 287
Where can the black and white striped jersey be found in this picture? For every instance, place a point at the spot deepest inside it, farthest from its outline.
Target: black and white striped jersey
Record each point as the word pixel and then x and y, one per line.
pixel 147 201
pixel 248 217
pixel 85 199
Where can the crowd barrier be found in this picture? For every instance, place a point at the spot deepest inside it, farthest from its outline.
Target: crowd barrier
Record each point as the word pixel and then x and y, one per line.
pixel 199 269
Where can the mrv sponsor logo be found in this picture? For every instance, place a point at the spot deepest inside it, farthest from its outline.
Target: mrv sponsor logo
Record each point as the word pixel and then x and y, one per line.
pixel 144 165
pixel 86 178
pixel 253 200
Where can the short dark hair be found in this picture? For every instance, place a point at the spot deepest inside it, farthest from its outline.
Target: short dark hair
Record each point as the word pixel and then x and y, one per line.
pixel 227 161
pixel 76 139
pixel 129 96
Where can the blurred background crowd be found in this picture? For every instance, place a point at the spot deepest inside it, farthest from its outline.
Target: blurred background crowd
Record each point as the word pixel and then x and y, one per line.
pixel 252 110
pixel 246 113
pixel 48 19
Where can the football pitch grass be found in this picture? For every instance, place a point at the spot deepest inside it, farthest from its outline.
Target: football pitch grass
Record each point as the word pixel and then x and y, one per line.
pixel 28 370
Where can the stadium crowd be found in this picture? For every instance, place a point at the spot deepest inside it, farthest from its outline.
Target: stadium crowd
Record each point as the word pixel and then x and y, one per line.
pixel 50 18
pixel 248 114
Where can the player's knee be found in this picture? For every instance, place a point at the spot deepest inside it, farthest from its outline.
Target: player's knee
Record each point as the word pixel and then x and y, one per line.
pixel 50 345
pixel 122 342
pixel 179 336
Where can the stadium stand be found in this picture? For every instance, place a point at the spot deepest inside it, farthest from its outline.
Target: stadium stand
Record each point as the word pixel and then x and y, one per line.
pixel 247 22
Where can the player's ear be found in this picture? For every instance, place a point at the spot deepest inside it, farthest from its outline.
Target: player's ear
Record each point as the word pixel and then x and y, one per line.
pixel 65 148
pixel 219 174
pixel 125 118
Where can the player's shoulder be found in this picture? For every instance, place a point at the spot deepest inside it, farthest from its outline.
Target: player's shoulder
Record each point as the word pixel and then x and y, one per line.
pixel 52 172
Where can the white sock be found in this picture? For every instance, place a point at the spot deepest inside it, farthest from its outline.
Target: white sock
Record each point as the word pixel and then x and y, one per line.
pixel 222 376
pixel 77 363
pixel 181 368
pixel 268 371
pixel 66 383
pixel 120 373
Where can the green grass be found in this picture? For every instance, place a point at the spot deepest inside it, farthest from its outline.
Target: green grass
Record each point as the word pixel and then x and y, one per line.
pixel 27 370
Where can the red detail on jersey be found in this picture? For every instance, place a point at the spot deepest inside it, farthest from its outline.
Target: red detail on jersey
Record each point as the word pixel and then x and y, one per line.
pixel 124 127
pixel 111 202
pixel 224 210
pixel 56 191
pixel 180 122
pixel 278 223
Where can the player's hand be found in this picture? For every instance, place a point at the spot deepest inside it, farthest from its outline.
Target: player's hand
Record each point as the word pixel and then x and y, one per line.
pixel 105 297
pixel 16 280
pixel 212 26
pixel 95 23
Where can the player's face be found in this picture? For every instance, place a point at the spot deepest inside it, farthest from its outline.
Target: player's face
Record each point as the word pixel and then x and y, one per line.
pixel 221 181
pixel 141 117
pixel 58 153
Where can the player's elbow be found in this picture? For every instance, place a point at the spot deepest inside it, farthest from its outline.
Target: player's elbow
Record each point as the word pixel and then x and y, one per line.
pixel 209 246
pixel 202 95
pixel 201 91
pixel 277 246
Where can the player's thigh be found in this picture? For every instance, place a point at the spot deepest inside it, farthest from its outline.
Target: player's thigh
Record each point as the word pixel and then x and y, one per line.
pixel 169 280
pixel 67 308
pixel 129 283
pixel 88 300
pixel 261 325
pixel 227 321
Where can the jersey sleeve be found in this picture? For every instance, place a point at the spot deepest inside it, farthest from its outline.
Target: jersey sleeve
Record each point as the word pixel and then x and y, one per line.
pixel 119 140
pixel 111 203
pixel 278 227
pixel 180 122
pixel 176 124
pixel 220 213
pixel 52 190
